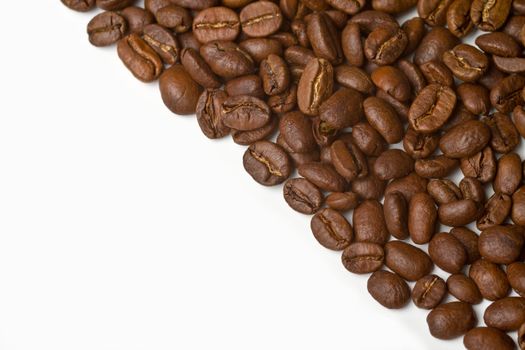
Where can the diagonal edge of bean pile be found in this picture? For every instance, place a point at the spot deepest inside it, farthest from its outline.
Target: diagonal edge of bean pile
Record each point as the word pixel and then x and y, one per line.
pixel 340 82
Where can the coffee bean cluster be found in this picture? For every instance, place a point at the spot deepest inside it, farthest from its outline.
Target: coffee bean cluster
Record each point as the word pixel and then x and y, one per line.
pixel 325 89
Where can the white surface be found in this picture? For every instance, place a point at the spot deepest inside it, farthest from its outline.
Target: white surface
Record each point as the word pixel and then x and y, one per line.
pixel 123 227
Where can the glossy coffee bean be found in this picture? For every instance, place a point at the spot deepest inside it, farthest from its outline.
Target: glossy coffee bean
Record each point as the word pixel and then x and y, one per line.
pixel 422 218
pixel 331 229
pixel 501 244
pixel 348 160
pixel 475 98
pixel 245 112
pixel 324 38
pixel 516 276
pixel 363 257
pixel 489 17
pixel 464 289
pixel 495 212
pixel 275 75
pixel 466 62
pixel 384 46
pixel 507 314
pixel 227 59
pixel 472 189
pixel 267 163
pixel 490 279
pixel 518 207
pixel 458 213
pixel 106 28
pixel 261 19
pixel 369 141
pixel 141 60
pixel 260 48
pixel 395 210
pixel 487 338
pixel 384 119
pixel 323 176
pixel 447 252
pixel 469 239
pixel 210 115
pixel 179 91
pixel 419 145
pixel 163 42
pixel 388 289
pixel 481 166
pixel 409 185
pixel 343 109
pixel 79 5
pixel 315 86
pixel 175 18
pixel 436 167
pixel 342 201
pixel 451 320
pixel 458 18
pixel 429 291
pixel 508 176
pixel 434 12
pixel 369 223
pixel 434 44
pixel 407 261
pixel 432 108
pixel 352 45
pixel 198 69
pixel 113 5
pixel 393 164
pixel 444 191
pixel 465 139
pixel 505 137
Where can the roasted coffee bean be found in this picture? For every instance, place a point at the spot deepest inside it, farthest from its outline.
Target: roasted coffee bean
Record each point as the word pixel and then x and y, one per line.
pixel 285 102
pixel 508 176
pixel 458 213
pixel 296 130
pixel 458 18
pixel 298 27
pixel 343 109
pixel 436 72
pixel 451 320
pixel 414 75
pixel 210 115
pixel 507 314
pixel 489 16
pixel 246 138
pixel 216 23
pixel 154 5
pixel 199 70
pixel 475 98
pixel 137 18
pixel 422 218
pixel 487 338
pixel 106 28
pixel 506 94
pixel 513 27
pixel 434 44
pixel 355 78
pixel 298 158
pixel 179 91
pixel 384 46
pixel 261 19
pixel 342 201
pixel 79 5
pixel 315 86
pixel 495 212
pixel 388 289
pixel 505 136
pixel 472 189
pixel 286 39
pixel 469 239
pixel 501 244
pixel 395 210
pixel 249 85
pixel 490 279
pixel 481 166
pixel 518 207
pixel 466 62
pixel 324 133
pixel 174 17
pixel 226 59
pixel 447 252
pixel 188 40
pixel 352 45
pixel 393 164
pixel 245 112
pixel 275 75
pixel 331 229
pixel 434 12
pixel 113 5
pixel 431 108
pixel 420 146
pixel 260 48
pixel 516 276
pixel 401 108
pixel 369 223
pixel 408 186
pixel 498 44
pixel 518 116
pixel 393 81
pixel 436 167
pixel 323 176
pixel 465 139
pixel 163 42
pixel 298 55
pixel 369 141
pixel 369 187
pixel 510 65
pixel 324 38
pixel 459 115
pixel 371 20
pixel 444 191
pixel 429 291
pixel 407 261
pixel 141 60
pixel 384 119
pixel 363 257
pixel 302 196
pixel 348 160
pixel 464 289
pixel 267 163
pixel 415 30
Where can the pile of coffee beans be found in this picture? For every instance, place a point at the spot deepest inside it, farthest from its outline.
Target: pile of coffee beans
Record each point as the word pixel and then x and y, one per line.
pixel 376 118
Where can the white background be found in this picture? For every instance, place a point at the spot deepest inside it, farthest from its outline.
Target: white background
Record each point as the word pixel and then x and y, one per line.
pixel 123 227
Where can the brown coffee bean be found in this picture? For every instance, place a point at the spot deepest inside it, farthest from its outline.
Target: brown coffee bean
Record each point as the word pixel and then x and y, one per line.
pixel 106 29
pixel 490 279
pixel 487 338
pixel 369 187
pixel 508 176
pixel 324 133
pixel 408 186
pixel 434 44
pixel 245 112
pixel 388 289
pixel 510 65
pixel 436 72
pixel 285 102
pixel 298 28
pixel 363 257
pixel 458 213
pixel 458 18
pixel 481 166
pixel 154 5
pixel 401 108
pixel 298 55
pixel 296 129
pixel 395 210
pixel 343 109
pixel 315 86
pixel 226 59
pixel 275 75
pixel 469 239
pixel 433 11
pixel 431 108
pixel 459 115
pixel 384 46
pixel 428 292
pixel 369 223
pixel 137 18
pixel 369 141
pixel 302 196
pixel 342 201
pixel 518 206
pixel 472 188
pixel 210 115
pixel 267 163
pixel 393 81
pixel 248 85
pixel 348 160
pixel 174 17
pixel 331 229
pixel 384 119
pixel 464 289
pixel 323 176
pixel 414 75
pixel 444 191
pixel 418 145
pixel 498 44
pixel 505 136
pixel 516 276
pixel 501 244
pixel 142 61
pixel 495 212
pixel 261 19
pixel 179 91
pixel 447 252
pixel 465 139
pixel 393 6
pixel 466 62
pixel 216 23
pixel 407 261
pixel 507 314
pixel 260 48
pixel 489 17
pixel 163 42
pixel 324 38
pixel 199 70
pixel 506 93
pixel 451 320
pixel 79 5
pixel 422 216
pixel 436 167
pixel 352 45
pixel 355 78
pixel 393 164
pixel 475 98
pixel 370 20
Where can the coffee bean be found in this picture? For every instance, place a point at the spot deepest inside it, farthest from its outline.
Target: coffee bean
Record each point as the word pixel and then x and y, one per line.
pixel 518 116
pixel 465 139
pixel 434 44
pixel 195 4
pixel 409 185
pixel 458 18
pixel 384 46
pixel 199 70
pixel 302 196
pixel 495 212
pixel 245 112
pixel 371 20
pixel 518 206
pixel 163 42
pixel 174 17
pixel 275 75
pixel 210 115
pixel 296 130
pixel 260 48
pixel 414 75
pixel 388 289
pixel 363 257
pixel 418 145
pixel 487 338
pixel 154 5
pixel 348 160
pixel 516 276
pixel 434 12
pixel 469 239
pixel 498 44
pixel 369 141
pixel 489 17
pixel 227 59
pixel 508 176
pixel 342 201
pixel 464 289
pixel 324 38
pixel 475 98
pixel 393 81
pixel 261 19
pixel 428 292
pixel 179 91
pixel 407 261
pixel 267 163
pixel 458 213
pixel 505 137
pixel 248 137
pixel 436 72
pixel 431 108
pixel 451 320
pixel 447 252
pixel 248 85
pixel 142 61
pixel 323 176
pixel 507 314
pixel 510 65
pixel 481 166
pixel 501 244
pixel 137 18
pixel 436 167
pixel 459 115
pixel 401 108
pixel 490 279
pixel 472 188
pixel 395 210
pixel 369 223
pixel 393 164
pixel 298 55
pixel 355 78
pixel 324 133
pixel 315 86
pixel 466 62
pixel 422 216
pixel 384 119
pixel 331 229
pixel 350 7
pixel 506 93
pixel 444 191
pixel 106 28
pixel 369 187
pixel 79 5
pixel 343 109
pixel 352 45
